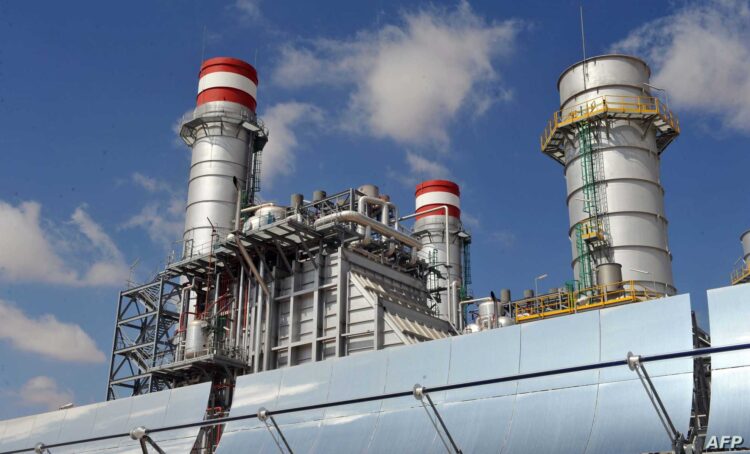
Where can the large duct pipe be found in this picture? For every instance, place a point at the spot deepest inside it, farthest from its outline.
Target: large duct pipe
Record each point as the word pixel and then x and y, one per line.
pixel 609 276
pixel 387 208
pixel 358 218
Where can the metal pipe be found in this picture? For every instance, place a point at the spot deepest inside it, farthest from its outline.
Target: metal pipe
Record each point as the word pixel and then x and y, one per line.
pixel 251 266
pixel 256 207
pixel 358 218
pixel 385 215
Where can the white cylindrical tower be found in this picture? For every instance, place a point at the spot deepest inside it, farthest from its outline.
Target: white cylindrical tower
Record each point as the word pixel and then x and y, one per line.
pixel 225 137
pixel 745 238
pixel 609 134
pixel 435 199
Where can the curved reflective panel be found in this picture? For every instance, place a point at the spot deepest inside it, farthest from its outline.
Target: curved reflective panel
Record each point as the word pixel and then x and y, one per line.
pixel 426 363
pixel 112 418
pixel 557 343
pixel 729 317
pixel 484 355
pixel 78 425
pixel 730 403
pixel 357 376
pixel 647 328
pixel 477 425
pixel 303 385
pixel 552 421
pixel 16 434
pixel 46 427
pixel 147 410
pixel 252 392
pixel 626 421
pixel 186 405
pixel 348 434
pixel 243 441
pixel 406 430
pixel 301 437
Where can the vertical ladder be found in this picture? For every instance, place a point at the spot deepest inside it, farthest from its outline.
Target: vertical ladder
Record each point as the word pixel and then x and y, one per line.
pixel 591 225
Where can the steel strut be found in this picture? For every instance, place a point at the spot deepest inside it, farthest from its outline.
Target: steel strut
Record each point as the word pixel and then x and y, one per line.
pixel 420 394
pixel 264 415
pixel 675 437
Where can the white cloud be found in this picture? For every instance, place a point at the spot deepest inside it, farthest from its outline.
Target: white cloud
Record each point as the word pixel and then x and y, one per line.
pixel 163 217
pixel 279 154
pixel 419 168
pixel 249 9
pixel 37 250
pixel 701 55
pixel 44 391
pixel 506 239
pixel 47 336
pixel 408 81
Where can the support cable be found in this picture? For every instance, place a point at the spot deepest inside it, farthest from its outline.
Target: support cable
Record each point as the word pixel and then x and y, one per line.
pixel 420 395
pixel 694 353
pixel 264 415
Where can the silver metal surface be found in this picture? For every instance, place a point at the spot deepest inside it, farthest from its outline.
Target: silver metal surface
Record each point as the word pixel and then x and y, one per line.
pixel 405 430
pixel 745 239
pixel 627 422
pixel 434 243
pixel 426 363
pixel 46 428
pixel 252 392
pixel 187 404
pixel 478 425
pixel 304 385
pixel 729 318
pixel 78 425
pixel 368 372
pixel 730 403
pixel 352 434
pixel 557 343
pixel 609 275
pixel 630 187
pixel 553 421
pixel 16 434
pixel 485 355
pixel 648 328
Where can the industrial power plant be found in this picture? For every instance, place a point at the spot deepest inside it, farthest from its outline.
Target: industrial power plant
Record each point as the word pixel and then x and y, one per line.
pixel 340 322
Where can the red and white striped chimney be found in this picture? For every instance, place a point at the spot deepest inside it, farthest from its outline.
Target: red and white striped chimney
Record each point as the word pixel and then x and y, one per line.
pixel 228 79
pixel 432 199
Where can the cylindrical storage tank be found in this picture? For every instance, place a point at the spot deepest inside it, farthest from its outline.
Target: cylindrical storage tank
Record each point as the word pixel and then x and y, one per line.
pixel 318 196
pixel 528 293
pixel 221 146
pixel 626 181
pixel 296 201
pixel 196 338
pixel 369 190
pixel 264 216
pixel 429 227
pixel 487 316
pixel 745 238
pixel 609 275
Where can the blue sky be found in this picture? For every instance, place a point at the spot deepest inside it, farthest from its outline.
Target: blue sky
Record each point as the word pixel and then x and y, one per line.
pixel 93 177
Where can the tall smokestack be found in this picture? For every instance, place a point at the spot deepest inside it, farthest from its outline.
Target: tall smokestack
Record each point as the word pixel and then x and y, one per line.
pixel 226 138
pixel 433 199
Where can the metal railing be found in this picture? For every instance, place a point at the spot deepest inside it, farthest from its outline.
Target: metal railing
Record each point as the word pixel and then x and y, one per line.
pixel 741 274
pixel 568 302
pixel 632 105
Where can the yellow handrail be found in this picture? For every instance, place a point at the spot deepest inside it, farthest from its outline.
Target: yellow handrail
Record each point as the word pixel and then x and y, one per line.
pixel 644 105
pixel 561 303
pixel 741 274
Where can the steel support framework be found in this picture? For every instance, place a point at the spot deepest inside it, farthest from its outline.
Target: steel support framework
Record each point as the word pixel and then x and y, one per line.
pixel 146 321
